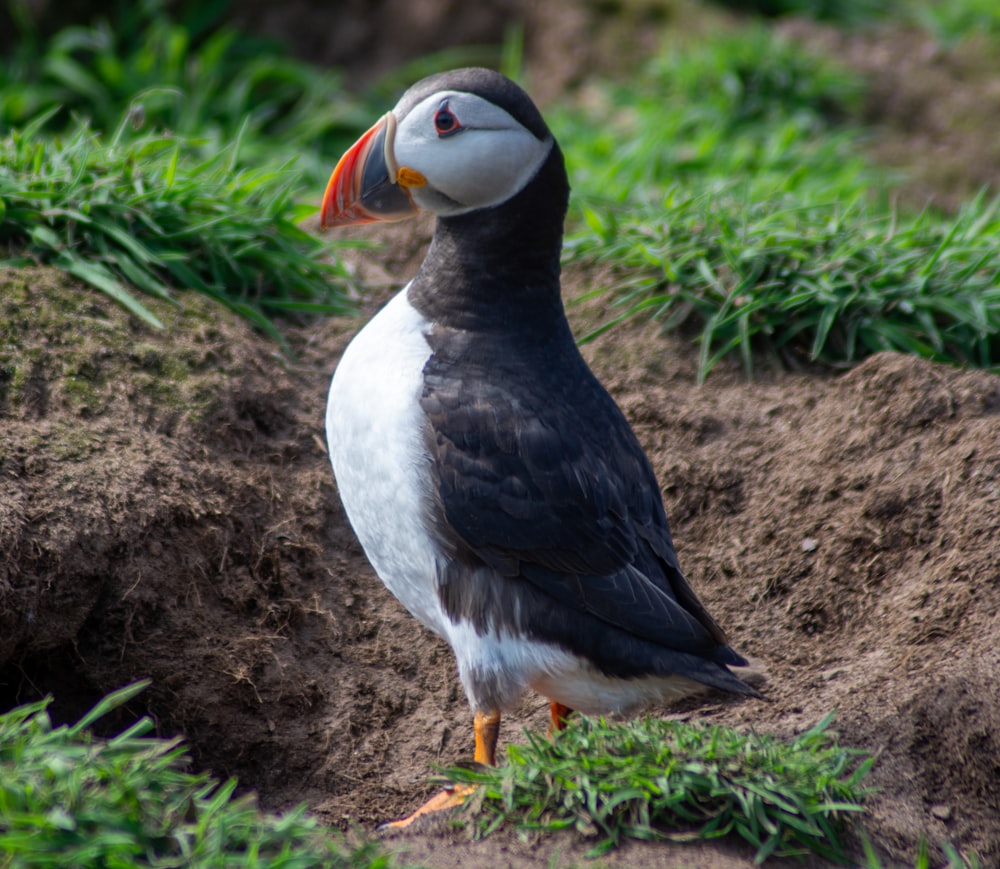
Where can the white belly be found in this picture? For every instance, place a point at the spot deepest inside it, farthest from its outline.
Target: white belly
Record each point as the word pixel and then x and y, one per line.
pixel 497 668
pixel 374 428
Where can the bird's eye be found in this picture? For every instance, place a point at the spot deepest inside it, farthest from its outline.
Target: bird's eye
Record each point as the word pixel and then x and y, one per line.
pixel 445 122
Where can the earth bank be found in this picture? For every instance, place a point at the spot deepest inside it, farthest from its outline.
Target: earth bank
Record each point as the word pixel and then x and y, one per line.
pixel 168 512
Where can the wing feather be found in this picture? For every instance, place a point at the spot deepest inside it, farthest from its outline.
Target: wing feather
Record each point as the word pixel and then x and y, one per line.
pixel 541 477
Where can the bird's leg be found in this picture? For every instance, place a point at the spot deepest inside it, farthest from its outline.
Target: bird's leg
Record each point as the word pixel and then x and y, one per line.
pixel 558 714
pixel 487 729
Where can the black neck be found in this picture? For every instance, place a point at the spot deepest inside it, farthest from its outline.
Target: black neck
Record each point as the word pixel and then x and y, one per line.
pixel 497 269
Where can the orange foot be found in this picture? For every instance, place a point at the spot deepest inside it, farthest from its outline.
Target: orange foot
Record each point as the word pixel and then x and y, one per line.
pixel 448 798
pixel 487 728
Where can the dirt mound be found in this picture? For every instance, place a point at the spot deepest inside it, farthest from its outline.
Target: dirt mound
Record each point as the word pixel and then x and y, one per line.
pixel 846 531
pixel 168 511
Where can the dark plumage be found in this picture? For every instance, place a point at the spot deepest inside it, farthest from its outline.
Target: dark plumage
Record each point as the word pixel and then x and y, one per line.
pixel 549 560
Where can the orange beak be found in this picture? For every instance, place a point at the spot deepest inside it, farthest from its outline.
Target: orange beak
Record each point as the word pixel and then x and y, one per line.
pixel 367 185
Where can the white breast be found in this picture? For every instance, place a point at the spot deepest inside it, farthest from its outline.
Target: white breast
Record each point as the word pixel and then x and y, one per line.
pixel 374 427
pixel 375 430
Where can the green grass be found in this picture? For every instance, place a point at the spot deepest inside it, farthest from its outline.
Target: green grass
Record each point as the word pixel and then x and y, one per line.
pixel 147 211
pixel 150 155
pixel 68 798
pixel 825 283
pixel 653 779
pixel 195 77
pixel 730 192
pixel 952 21
pixel 739 104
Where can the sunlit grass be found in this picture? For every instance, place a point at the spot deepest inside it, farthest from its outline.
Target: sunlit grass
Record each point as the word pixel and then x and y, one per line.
pixel 146 212
pixel 824 283
pixel 732 198
pixel 651 778
pixel 68 798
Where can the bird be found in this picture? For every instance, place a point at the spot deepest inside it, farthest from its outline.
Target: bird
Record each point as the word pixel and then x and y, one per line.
pixel 494 484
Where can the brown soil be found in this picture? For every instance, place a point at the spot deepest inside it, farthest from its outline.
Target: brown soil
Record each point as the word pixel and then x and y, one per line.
pixel 934 110
pixel 168 512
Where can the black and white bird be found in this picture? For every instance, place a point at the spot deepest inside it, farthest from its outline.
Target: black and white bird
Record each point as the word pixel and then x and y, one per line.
pixel 495 486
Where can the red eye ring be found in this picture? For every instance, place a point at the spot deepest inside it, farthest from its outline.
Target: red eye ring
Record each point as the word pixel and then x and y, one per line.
pixel 445 122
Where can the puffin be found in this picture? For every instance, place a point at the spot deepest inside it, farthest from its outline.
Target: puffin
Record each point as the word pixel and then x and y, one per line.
pixel 495 486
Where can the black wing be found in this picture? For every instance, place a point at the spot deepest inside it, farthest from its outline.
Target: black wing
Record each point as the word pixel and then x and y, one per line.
pixel 542 478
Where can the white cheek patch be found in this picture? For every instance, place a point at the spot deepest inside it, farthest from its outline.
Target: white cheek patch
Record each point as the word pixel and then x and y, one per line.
pixel 488 162
pixel 482 168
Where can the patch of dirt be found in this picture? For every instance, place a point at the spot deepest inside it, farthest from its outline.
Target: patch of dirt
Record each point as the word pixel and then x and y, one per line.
pixel 934 109
pixel 169 512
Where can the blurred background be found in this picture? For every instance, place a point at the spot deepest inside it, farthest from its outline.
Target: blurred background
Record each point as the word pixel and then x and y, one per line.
pixel 714 128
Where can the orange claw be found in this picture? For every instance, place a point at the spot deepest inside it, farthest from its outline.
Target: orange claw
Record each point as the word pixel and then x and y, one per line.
pixel 487 729
pixel 448 798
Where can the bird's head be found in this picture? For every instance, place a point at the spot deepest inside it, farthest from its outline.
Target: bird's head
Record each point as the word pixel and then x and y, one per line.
pixel 455 143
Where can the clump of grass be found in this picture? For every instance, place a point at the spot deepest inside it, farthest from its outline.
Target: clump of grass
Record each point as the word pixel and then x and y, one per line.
pixel 664 779
pixel 189 73
pixel 146 211
pixel 742 210
pixel 953 21
pixel 68 798
pixel 745 104
pixel 811 283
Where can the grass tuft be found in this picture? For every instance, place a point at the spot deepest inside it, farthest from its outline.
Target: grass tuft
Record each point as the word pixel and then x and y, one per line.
pixel 732 199
pixel 148 212
pixel 653 779
pixel 68 798
pixel 182 70
pixel 746 104
pixel 823 283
